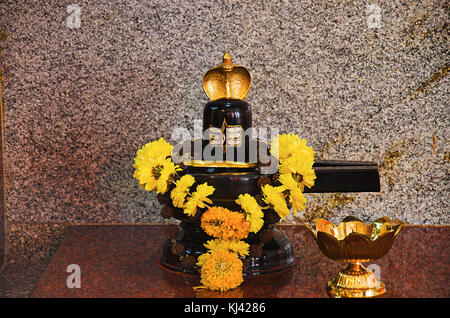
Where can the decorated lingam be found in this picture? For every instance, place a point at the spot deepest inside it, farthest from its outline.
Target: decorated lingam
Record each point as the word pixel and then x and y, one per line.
pixel 229 189
pixel 216 187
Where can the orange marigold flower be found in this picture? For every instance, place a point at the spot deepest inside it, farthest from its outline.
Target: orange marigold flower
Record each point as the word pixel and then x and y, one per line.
pixel 222 270
pixel 223 223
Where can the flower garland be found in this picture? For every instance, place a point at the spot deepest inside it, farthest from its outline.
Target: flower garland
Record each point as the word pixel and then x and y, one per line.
pixel 228 255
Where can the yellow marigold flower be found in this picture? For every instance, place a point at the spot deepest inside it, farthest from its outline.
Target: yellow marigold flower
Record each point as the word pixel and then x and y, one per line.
pixel 288 181
pixel 202 259
pixel 230 245
pixel 158 149
pixel 223 223
pixel 297 200
pixel 203 292
pixel 221 270
pixel 296 197
pixel 151 162
pixel 148 172
pixel 178 194
pixel 287 145
pixel 153 152
pixel 198 199
pixel 301 170
pixel 274 196
pixel 253 212
pixel 166 176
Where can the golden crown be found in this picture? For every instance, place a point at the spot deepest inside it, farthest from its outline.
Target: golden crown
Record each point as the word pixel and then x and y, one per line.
pixel 227 81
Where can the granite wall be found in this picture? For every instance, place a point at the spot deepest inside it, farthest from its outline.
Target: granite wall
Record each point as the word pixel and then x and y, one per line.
pixel 87 83
pixel 3 229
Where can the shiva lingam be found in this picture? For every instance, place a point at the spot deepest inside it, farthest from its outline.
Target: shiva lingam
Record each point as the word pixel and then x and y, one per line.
pixel 229 158
pixel 355 242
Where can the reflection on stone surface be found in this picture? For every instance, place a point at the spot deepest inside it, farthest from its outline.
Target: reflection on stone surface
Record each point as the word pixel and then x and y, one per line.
pixel 122 261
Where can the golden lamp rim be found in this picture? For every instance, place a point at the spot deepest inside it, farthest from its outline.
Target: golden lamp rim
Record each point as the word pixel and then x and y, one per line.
pixel 387 227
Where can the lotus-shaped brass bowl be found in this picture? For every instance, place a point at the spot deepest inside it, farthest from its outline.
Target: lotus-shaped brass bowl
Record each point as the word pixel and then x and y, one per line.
pixel 355 242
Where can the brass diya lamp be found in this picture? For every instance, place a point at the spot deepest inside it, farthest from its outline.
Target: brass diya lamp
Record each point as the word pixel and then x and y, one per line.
pixel 355 242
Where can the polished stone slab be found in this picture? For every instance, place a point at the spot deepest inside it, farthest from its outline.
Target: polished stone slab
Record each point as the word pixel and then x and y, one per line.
pixel 122 261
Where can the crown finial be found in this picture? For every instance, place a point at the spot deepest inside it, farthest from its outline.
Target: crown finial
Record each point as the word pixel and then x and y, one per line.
pixel 227 58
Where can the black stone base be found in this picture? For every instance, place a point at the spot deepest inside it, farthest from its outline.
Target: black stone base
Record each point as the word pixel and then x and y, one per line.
pixel 278 254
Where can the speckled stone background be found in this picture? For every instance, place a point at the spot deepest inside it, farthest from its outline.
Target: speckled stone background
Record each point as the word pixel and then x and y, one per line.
pixel 361 80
